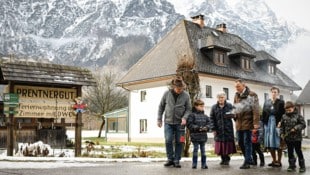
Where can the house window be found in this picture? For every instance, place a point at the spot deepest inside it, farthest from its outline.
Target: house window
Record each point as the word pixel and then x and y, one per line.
pixel 246 63
pixel 266 96
pixel 226 92
pixel 143 125
pixel 208 91
pixel 142 96
pixel 281 97
pixel 220 58
pixel 271 69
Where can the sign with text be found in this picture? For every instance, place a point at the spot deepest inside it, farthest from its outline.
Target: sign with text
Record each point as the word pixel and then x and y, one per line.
pixel 45 102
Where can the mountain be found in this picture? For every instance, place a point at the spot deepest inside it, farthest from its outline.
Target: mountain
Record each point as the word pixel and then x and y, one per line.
pixel 92 33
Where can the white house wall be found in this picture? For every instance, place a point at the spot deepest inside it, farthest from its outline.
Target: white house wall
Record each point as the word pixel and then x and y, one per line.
pixel 305 112
pixel 148 109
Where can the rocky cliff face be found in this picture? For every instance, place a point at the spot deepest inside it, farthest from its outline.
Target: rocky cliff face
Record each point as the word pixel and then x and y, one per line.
pixel 93 33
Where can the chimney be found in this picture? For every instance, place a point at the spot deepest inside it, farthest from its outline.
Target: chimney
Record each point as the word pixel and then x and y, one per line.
pixel 221 27
pixel 198 20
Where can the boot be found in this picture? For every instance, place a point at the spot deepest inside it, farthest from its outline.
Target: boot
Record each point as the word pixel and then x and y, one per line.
pixel 222 160
pixel 302 167
pixel 254 162
pixel 204 162
pixel 292 166
pixel 245 166
pixel 227 160
pixel 262 160
pixel 194 164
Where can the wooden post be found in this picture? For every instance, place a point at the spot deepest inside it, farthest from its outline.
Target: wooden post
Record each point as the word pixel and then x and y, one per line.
pixel 10 126
pixel 10 133
pixel 78 134
pixel 78 128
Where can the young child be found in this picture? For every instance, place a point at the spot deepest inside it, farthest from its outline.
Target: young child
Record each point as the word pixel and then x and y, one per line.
pixel 257 139
pixel 198 124
pixel 291 126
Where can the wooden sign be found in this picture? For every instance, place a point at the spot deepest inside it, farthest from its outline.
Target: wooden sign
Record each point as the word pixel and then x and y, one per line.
pixel 45 102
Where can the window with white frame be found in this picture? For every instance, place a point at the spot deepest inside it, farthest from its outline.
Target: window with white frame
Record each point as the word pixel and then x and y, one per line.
pixel 246 63
pixel 271 69
pixel 220 58
pixel 208 91
pixel 143 125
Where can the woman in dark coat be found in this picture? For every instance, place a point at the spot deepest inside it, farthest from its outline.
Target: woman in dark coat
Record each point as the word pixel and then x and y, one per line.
pixel 222 127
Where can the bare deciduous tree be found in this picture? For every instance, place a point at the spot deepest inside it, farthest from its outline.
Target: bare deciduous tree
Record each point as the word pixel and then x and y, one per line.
pixel 186 70
pixel 106 96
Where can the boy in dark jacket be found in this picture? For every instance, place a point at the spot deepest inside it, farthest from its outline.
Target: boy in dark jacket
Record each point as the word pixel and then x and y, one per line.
pixel 198 124
pixel 291 126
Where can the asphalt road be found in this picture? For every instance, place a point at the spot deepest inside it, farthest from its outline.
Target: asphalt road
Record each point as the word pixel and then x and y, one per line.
pixel 147 168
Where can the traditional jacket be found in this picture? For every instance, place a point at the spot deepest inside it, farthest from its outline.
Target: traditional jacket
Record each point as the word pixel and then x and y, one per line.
pixel 247 118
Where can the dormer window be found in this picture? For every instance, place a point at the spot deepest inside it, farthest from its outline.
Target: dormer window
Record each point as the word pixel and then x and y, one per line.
pixel 271 69
pixel 246 63
pixel 219 58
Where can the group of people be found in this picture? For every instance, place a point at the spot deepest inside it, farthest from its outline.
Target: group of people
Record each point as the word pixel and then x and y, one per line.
pixel 279 126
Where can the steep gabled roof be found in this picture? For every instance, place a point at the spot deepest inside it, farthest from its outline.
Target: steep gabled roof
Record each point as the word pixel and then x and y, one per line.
pixel 304 97
pixel 162 59
pixel 188 38
pixel 264 56
pixel 44 73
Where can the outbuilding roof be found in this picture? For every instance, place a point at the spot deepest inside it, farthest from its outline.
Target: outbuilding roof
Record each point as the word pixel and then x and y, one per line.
pixel 44 73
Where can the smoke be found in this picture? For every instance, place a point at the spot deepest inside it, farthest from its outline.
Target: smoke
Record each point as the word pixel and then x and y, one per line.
pixel 244 106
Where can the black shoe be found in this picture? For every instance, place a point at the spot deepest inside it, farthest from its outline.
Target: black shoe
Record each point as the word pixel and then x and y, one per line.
pixel 271 164
pixel 245 166
pixel 204 167
pixel 254 163
pixel 226 162
pixel 262 164
pixel 302 169
pixel 291 168
pixel 177 165
pixel 194 166
pixel 222 162
pixel 169 163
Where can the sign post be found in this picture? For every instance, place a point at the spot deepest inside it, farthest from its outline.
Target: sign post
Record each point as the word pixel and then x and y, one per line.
pixel 11 101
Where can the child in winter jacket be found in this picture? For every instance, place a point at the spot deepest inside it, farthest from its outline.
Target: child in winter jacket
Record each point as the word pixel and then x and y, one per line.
pixel 257 140
pixel 291 126
pixel 198 124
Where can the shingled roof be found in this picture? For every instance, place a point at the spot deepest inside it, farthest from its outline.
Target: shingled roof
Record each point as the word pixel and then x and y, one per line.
pixel 304 97
pixel 187 38
pixel 44 73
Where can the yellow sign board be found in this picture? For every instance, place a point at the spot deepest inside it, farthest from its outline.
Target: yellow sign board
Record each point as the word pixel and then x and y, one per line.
pixel 45 102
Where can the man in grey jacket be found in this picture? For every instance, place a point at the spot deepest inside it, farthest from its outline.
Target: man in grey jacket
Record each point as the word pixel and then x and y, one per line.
pixel 176 106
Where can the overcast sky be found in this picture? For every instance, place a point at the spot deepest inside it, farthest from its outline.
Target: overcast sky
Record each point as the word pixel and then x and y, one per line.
pixel 296 11
pixel 292 10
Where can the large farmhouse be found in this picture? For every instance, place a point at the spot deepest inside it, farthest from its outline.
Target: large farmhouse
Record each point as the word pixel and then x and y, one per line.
pixel 220 58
